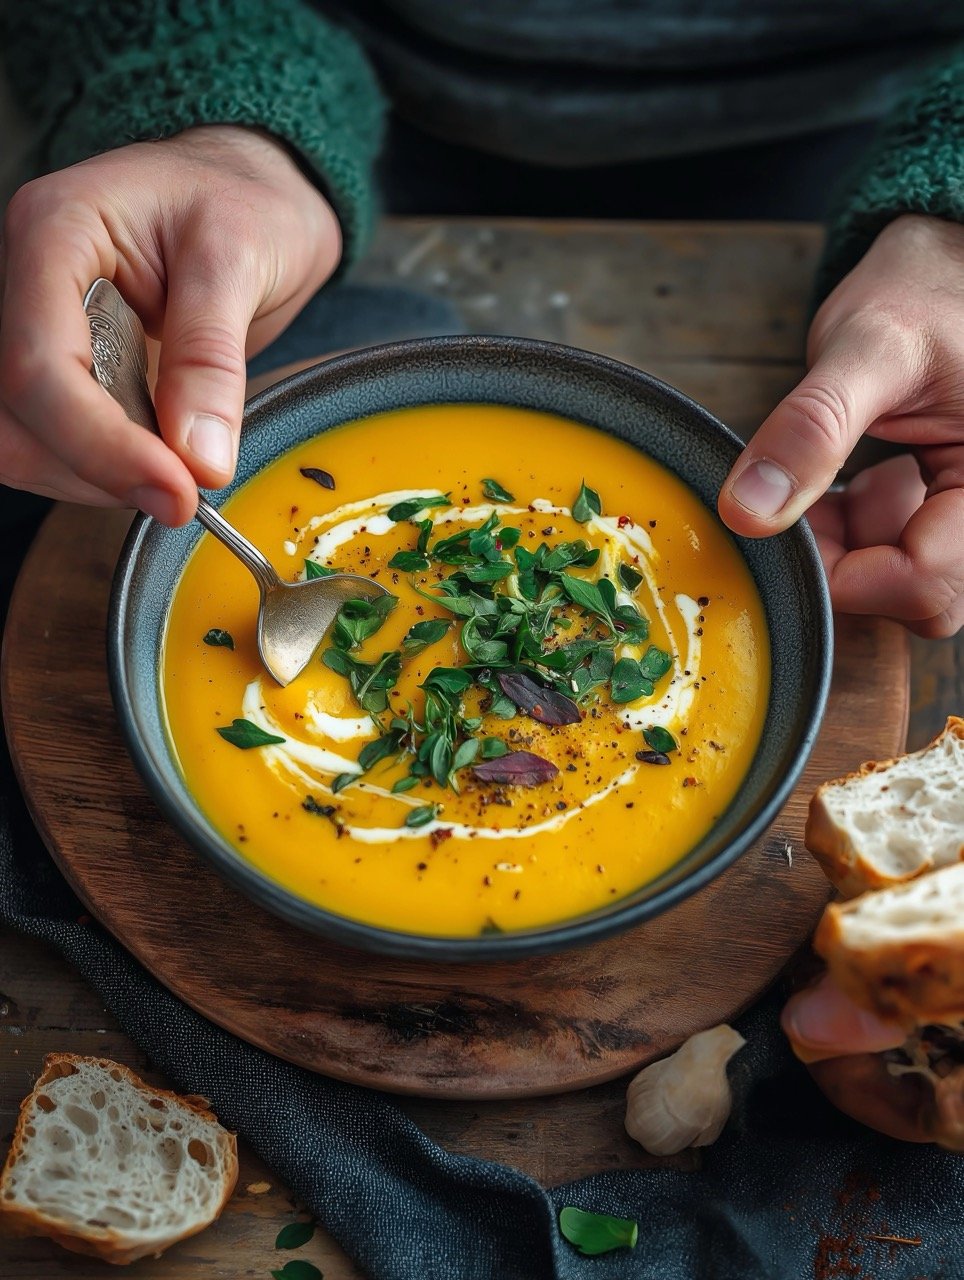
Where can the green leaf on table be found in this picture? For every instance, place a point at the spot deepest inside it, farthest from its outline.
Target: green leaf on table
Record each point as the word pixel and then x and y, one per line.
pixel 587 504
pixel 660 739
pixel 298 1269
pixel 412 506
pixel 245 735
pixel 218 638
pixel 294 1235
pixel 497 492
pixel 594 1233
pixel 422 815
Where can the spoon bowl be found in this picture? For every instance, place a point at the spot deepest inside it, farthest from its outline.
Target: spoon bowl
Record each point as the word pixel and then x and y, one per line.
pixel 293 617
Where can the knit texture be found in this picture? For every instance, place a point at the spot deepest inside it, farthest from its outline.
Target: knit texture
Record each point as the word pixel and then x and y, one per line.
pixel 97 76
pixel 916 166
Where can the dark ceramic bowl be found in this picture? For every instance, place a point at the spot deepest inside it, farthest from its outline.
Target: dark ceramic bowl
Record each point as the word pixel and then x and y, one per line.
pixel 574 384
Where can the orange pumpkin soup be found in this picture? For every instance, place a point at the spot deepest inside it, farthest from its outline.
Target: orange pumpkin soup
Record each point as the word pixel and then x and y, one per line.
pixel 563 694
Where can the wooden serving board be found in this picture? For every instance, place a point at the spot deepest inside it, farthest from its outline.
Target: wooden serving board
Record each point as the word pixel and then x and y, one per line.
pixel 535 1026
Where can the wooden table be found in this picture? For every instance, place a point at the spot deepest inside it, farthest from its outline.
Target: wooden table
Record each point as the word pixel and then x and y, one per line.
pixel 720 311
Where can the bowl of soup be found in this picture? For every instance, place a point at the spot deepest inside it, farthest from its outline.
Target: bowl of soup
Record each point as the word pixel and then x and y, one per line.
pixel 583 699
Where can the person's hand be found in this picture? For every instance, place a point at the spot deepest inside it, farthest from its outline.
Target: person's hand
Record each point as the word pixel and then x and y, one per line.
pixel 217 240
pixel 886 357
pixel 842 1045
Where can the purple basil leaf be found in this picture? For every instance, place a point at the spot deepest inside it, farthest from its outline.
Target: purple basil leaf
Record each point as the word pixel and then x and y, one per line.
pixel 517 769
pixel 324 478
pixel 544 705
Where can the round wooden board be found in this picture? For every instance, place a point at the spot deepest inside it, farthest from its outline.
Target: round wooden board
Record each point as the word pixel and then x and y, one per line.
pixel 486 1031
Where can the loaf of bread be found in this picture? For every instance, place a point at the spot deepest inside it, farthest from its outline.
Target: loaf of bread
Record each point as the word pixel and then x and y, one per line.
pixel 900 951
pixel 106 1165
pixel 889 822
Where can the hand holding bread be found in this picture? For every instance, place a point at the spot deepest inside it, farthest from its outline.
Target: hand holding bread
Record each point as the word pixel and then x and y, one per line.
pixel 884 1031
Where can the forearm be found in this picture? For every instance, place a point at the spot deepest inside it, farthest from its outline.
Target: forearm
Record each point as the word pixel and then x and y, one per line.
pixel 916 166
pixel 95 76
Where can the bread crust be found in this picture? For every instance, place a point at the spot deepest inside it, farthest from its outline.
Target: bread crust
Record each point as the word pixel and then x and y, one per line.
pixel 107 1243
pixel 911 983
pixel 846 869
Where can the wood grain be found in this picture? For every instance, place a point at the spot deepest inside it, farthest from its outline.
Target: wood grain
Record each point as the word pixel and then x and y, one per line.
pixel 719 311
pixel 468 1031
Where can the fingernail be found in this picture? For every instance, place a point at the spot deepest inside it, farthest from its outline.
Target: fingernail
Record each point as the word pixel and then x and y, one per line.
pixel 764 488
pixel 823 1018
pixel 158 503
pixel 210 439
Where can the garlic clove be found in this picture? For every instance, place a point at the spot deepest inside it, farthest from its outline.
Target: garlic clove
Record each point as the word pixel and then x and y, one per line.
pixel 684 1100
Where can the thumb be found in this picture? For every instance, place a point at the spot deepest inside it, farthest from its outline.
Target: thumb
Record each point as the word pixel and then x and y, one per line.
pixel 201 372
pixel 821 1022
pixel 795 455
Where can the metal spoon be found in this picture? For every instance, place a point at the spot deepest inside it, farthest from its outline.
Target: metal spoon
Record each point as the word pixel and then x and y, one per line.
pixel 293 617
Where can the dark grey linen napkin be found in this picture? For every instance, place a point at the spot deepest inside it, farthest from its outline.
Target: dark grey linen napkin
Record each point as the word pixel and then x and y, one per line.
pixel 792 1189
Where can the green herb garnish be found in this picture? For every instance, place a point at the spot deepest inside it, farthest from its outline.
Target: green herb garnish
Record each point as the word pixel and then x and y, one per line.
pixel 423 814
pixel 356 620
pixel 408 561
pixel 497 492
pixel 594 1233
pixel 244 734
pixel 315 570
pixel 660 739
pixel 422 634
pixel 587 504
pixel 629 578
pixel 412 506
pixel 627 682
pixel 370 681
pixel 294 1235
pixel 217 638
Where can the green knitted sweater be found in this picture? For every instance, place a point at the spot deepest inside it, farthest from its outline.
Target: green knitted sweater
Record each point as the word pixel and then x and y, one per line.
pixel 93 75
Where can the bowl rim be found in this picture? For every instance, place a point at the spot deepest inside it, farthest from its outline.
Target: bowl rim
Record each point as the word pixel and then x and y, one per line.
pixel 553 938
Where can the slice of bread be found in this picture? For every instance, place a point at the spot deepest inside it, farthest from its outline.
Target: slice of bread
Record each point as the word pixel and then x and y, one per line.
pixel 900 951
pixel 892 821
pixel 107 1165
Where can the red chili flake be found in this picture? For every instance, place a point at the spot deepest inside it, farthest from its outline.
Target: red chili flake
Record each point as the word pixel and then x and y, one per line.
pixel 623 521
pixel 440 836
pixel 690 782
pixel 703 601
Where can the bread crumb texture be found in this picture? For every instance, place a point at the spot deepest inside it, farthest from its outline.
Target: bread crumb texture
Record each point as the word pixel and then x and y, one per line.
pixel 900 951
pixel 107 1165
pixel 895 820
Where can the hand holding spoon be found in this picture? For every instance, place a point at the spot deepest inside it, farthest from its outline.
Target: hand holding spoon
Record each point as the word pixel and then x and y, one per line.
pixel 293 617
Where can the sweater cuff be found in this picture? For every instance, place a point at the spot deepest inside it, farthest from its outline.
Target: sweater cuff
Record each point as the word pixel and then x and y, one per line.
pixel 279 68
pixel 915 166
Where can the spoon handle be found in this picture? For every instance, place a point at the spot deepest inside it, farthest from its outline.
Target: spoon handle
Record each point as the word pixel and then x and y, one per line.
pixel 119 363
pixel 215 523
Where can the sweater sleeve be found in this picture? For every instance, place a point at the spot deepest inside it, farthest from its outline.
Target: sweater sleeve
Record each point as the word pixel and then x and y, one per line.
pixel 915 166
pixel 94 75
